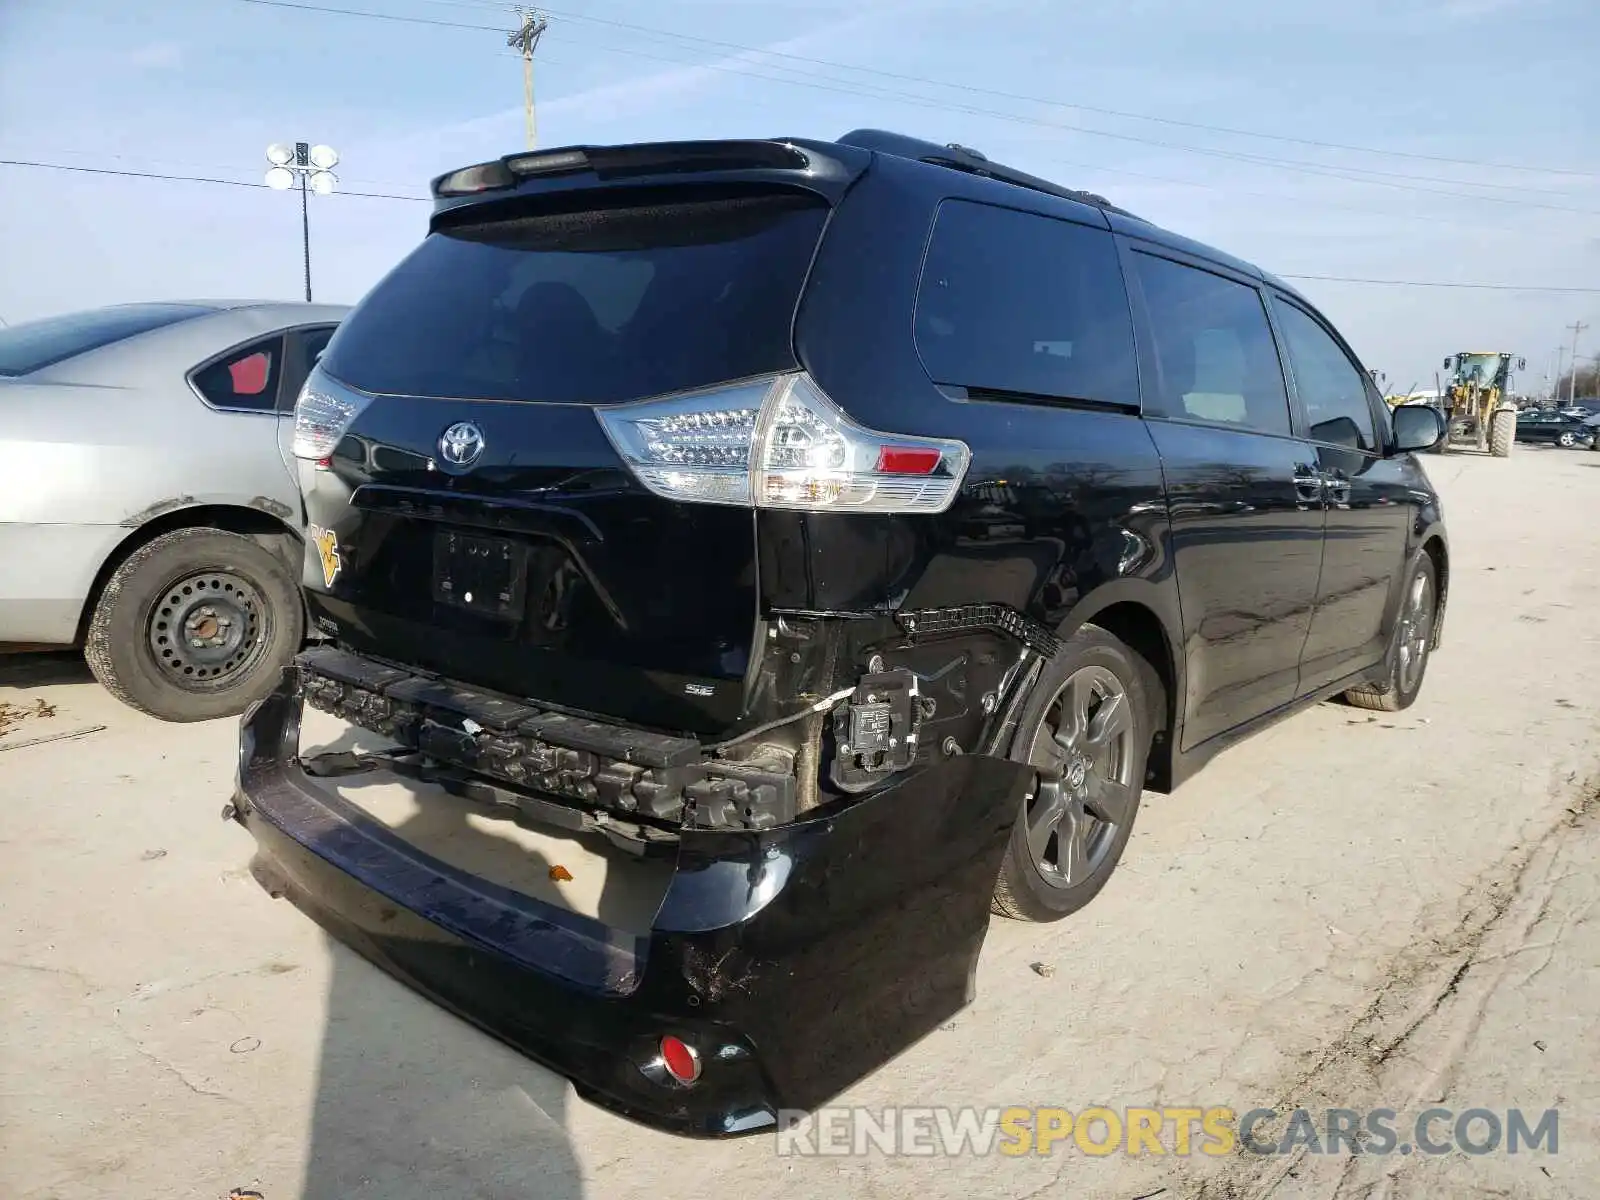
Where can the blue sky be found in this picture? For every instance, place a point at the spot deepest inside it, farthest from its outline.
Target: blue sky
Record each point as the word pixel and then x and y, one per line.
pixel 199 87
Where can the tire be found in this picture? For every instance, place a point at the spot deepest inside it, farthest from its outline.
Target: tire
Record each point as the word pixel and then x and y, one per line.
pixel 1412 644
pixel 1094 789
pixel 1567 440
pixel 1502 433
pixel 224 590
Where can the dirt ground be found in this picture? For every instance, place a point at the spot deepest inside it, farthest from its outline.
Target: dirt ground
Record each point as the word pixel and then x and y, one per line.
pixel 1348 911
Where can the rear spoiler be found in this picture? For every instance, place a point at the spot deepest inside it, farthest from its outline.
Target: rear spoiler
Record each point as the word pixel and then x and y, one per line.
pixel 826 168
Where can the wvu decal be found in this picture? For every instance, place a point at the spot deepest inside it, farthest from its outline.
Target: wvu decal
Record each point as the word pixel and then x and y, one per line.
pixel 327 543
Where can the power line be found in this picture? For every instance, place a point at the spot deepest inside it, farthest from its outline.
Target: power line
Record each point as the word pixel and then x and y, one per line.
pixel 142 161
pixel 1109 112
pixel 1346 174
pixel 50 166
pixel 1426 283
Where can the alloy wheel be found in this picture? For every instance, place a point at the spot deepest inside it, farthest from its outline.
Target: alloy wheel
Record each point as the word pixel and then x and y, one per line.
pixel 1416 629
pixel 1083 751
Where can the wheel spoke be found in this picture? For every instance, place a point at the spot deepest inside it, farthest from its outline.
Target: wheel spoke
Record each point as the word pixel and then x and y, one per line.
pixel 1111 801
pixel 1075 701
pixel 1109 722
pixel 1419 593
pixel 1049 807
pixel 1055 749
pixel 1072 852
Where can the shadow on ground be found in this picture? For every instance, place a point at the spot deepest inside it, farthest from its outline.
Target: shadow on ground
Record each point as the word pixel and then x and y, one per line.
pixel 413 1103
pixel 42 669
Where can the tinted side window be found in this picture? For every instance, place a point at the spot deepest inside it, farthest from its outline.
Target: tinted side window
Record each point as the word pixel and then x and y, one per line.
pixel 246 379
pixel 1213 346
pixel 315 342
pixel 1018 303
pixel 1332 388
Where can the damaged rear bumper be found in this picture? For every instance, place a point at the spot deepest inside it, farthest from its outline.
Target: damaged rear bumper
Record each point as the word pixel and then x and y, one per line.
pixel 794 960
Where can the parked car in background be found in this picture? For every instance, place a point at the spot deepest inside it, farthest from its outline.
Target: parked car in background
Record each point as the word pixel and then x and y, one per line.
pixel 147 511
pixel 1556 428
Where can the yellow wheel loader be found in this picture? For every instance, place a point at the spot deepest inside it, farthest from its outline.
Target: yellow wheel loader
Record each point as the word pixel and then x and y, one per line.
pixel 1476 407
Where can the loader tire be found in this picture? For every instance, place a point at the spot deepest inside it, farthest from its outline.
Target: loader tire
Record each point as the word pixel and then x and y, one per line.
pixel 1502 433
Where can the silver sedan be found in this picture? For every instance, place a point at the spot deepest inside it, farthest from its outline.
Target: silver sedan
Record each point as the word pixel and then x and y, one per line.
pixel 148 509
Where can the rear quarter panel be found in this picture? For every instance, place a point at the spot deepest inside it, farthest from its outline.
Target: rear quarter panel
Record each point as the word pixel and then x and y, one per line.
pixel 1063 511
pixel 118 436
pixel 97 447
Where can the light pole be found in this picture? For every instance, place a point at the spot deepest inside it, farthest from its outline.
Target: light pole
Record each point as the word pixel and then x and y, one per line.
pixel 312 166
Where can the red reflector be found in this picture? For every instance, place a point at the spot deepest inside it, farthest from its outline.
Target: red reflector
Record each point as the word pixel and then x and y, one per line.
pixel 906 460
pixel 682 1063
pixel 324 464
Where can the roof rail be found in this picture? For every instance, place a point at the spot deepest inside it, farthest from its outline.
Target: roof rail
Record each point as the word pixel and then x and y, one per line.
pixel 963 158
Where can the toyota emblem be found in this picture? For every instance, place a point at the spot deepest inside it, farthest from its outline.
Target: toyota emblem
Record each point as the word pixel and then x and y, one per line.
pixel 461 444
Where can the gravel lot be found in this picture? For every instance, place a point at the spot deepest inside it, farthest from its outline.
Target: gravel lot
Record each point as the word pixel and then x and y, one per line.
pixel 1349 911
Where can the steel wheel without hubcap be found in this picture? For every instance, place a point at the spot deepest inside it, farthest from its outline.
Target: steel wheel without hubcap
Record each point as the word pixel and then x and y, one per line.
pixel 1085 791
pixel 1415 632
pixel 206 629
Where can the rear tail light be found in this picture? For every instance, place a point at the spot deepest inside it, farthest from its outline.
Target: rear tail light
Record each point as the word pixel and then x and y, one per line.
pixel 322 414
pixel 781 443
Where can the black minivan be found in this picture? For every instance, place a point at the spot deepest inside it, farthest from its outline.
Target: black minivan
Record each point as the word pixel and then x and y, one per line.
pixel 840 535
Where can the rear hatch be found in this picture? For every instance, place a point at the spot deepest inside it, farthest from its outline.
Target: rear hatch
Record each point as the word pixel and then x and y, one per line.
pixel 475 519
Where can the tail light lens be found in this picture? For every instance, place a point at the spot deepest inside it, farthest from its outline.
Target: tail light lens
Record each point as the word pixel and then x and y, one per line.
pixel 781 443
pixel 323 412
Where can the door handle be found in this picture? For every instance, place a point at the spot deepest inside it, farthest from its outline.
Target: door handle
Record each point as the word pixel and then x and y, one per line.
pixel 1308 484
pixel 1338 487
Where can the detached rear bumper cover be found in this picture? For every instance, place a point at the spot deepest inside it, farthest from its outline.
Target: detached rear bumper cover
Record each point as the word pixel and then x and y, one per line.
pixel 795 960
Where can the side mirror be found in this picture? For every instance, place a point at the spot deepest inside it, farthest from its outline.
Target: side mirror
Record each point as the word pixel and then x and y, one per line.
pixel 1522 364
pixel 1447 364
pixel 1417 427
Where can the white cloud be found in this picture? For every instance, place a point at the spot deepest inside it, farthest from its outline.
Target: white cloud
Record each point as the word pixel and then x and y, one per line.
pixel 1473 10
pixel 156 56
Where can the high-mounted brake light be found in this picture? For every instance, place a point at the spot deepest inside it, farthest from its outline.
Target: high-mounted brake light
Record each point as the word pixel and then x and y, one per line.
pixel 781 443
pixel 550 162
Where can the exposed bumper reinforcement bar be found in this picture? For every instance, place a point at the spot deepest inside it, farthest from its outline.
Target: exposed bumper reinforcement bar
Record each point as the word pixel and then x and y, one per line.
pixel 638 774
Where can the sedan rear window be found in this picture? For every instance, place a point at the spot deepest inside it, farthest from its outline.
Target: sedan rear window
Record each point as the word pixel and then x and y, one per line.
pixel 599 305
pixel 38 344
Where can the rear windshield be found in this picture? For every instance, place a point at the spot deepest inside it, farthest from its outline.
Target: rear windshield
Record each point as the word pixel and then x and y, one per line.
pixel 39 344
pixel 595 306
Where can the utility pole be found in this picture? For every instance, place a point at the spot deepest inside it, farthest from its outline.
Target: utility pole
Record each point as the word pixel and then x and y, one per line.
pixel 525 38
pixel 1577 327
